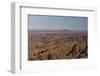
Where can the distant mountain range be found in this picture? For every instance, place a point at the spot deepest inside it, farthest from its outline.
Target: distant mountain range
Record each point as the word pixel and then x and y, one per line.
pixel 48 30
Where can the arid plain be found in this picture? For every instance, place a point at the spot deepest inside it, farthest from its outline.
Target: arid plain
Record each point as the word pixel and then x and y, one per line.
pixel 57 44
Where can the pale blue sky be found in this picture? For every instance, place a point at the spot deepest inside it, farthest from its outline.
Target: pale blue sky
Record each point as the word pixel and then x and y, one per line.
pixel 40 22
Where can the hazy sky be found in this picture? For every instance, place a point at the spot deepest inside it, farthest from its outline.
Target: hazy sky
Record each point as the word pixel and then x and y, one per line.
pixel 57 22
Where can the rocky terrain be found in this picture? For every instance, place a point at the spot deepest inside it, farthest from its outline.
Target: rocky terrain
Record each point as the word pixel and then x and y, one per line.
pixel 57 44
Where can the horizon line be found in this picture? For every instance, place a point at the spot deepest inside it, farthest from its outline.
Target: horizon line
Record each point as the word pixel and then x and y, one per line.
pixel 59 29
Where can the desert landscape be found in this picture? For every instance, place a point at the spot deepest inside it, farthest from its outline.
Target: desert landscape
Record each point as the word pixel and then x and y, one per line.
pixel 57 44
pixel 57 37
